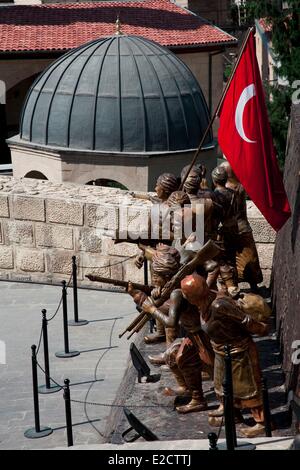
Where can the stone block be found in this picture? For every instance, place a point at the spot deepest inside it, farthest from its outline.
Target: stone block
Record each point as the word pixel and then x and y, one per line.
pixel 4 276
pixel 133 222
pixel 265 253
pixel 6 257
pixel 89 240
pixel 54 236
pixel 4 210
pixel 19 232
pixel 1 236
pixel 262 231
pixel 64 212
pixel 97 264
pixel 59 261
pixel 267 273
pixel 24 277
pixel 30 260
pixel 116 268
pixel 28 208
pixel 131 273
pixel 102 217
pixel 253 212
pixel 120 249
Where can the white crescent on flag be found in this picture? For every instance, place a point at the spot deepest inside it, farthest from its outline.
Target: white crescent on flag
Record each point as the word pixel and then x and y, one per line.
pixel 247 94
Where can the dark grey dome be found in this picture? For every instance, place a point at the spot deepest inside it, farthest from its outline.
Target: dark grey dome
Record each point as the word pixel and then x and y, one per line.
pixel 116 94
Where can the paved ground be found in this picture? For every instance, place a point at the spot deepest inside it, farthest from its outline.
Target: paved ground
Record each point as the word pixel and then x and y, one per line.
pixel 20 322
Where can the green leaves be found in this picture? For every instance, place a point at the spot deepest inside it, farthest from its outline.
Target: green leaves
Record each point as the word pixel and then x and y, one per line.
pixel 286 50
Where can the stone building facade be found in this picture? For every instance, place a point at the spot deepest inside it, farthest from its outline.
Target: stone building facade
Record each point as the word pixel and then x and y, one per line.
pixel 216 11
pixel 286 268
pixel 27 50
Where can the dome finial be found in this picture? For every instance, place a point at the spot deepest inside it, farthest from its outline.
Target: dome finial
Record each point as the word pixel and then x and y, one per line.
pixel 118 26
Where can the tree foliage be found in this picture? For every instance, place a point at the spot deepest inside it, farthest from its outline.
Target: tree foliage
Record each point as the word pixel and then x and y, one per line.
pixel 284 18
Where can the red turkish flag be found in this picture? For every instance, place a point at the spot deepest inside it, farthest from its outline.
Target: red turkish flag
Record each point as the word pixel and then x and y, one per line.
pixel 246 140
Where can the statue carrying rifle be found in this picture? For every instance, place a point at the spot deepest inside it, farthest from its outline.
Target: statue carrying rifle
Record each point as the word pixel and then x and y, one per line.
pixel 209 251
pixel 134 325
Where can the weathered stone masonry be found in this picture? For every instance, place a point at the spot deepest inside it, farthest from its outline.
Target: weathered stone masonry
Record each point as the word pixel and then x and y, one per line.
pixel 43 224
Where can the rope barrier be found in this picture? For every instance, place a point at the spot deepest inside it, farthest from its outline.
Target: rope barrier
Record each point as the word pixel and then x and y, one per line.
pixel 60 302
pixel 85 403
pixel 107 405
pixel 108 265
pixel 49 377
pixel 40 341
pixel 52 318
pixel 220 428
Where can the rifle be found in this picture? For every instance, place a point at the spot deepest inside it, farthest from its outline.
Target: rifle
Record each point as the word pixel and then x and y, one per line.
pixel 134 323
pixel 115 282
pixel 144 241
pixel 209 251
pixel 143 318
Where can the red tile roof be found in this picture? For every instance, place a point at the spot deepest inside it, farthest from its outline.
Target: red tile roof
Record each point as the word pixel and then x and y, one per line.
pixel 55 27
pixel 265 25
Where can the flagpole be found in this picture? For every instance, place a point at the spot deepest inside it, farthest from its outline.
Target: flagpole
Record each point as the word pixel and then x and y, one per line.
pixel 218 107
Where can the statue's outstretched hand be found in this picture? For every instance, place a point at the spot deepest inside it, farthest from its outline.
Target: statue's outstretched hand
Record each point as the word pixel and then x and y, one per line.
pixel 131 290
pixel 139 261
pixel 148 306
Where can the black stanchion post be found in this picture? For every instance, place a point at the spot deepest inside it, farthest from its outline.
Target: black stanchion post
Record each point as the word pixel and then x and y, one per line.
pixel 76 321
pixel 48 388
pixel 37 432
pixel 67 398
pixel 228 377
pixel 146 279
pixel 66 353
pixel 213 440
pixel 228 415
pixel 267 413
pixel 146 283
pixel 230 431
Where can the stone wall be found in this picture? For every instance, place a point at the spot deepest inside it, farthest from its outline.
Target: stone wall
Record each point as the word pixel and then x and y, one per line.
pixel 286 270
pixel 43 224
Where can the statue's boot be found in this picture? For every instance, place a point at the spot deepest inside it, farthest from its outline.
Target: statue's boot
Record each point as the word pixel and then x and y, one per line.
pixel 181 389
pixel 157 360
pixel 190 366
pixel 197 403
pixel 158 337
pixel 252 431
pixel 215 420
pixel 218 412
pixel 228 275
pixel 171 336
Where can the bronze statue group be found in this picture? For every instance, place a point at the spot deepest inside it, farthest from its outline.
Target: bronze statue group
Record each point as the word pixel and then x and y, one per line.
pixel 196 301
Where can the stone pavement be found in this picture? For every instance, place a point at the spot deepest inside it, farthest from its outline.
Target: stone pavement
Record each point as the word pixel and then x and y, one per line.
pixel 261 443
pixel 20 323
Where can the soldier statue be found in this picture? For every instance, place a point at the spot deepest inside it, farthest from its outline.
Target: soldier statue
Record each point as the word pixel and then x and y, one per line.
pixel 165 263
pixel 247 261
pixel 227 323
pixel 190 358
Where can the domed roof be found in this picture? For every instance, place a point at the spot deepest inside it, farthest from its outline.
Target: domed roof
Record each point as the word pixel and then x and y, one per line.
pixel 116 94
